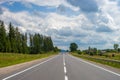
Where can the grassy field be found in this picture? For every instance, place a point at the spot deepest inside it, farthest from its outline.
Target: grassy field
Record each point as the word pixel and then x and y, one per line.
pixel 108 56
pixel 102 60
pixel 7 59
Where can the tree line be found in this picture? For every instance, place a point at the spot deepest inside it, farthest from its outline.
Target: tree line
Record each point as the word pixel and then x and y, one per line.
pixel 94 51
pixel 12 41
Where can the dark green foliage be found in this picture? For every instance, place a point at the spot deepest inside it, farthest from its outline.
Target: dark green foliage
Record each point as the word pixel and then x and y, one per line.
pixel 79 52
pixel 8 45
pixel 92 51
pixel 15 42
pixel 2 37
pixel 118 49
pixel 73 47
pixel 12 38
pixel 24 44
pixel 39 44
pixel 36 43
pixel 48 44
pixel 56 49
pixel 18 40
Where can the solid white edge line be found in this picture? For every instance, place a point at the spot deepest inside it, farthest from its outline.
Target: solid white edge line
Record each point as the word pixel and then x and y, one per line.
pixel 28 68
pixel 79 59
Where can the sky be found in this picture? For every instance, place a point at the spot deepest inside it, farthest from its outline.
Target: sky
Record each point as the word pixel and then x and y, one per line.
pixel 94 23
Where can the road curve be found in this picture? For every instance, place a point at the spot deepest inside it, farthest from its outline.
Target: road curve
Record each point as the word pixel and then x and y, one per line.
pixel 64 67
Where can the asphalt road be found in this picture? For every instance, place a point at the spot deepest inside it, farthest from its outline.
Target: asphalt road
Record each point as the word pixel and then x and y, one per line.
pixel 64 67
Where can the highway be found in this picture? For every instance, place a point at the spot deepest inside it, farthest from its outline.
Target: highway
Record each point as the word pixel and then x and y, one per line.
pixel 64 67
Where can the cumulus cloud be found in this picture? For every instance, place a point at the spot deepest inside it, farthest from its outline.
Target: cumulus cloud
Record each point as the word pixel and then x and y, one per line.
pixel 23 20
pixel 37 2
pixel 87 22
pixel 46 2
pixel 85 5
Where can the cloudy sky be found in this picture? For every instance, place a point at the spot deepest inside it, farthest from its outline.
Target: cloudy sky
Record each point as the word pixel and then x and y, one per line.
pixel 94 23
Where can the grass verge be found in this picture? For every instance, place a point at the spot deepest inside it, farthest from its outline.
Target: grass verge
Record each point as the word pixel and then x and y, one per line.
pixel 109 62
pixel 7 59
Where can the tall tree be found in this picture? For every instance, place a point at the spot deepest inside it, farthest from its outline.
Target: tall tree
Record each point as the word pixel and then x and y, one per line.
pixel 8 46
pixel 51 47
pixel 36 42
pixel 31 43
pixel 2 37
pixel 15 42
pixel 56 49
pixel 12 38
pixel 73 47
pixel 24 44
pixel 18 40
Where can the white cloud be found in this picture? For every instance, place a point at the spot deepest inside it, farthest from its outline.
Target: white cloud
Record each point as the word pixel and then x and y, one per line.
pixel 23 20
pixel 57 21
pixel 99 29
pixel 70 6
pixel 46 2
pixel 38 2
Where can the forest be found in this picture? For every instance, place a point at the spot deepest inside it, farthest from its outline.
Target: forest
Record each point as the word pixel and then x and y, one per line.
pixel 13 41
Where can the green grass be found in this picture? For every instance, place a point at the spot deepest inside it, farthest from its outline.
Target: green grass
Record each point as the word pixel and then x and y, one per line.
pixel 98 60
pixel 7 59
pixel 108 56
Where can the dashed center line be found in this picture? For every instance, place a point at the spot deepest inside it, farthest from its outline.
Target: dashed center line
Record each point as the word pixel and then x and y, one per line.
pixel 66 78
pixel 64 63
pixel 65 70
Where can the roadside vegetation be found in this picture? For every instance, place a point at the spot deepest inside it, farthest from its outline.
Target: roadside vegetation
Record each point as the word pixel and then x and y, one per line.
pixel 110 62
pixel 17 47
pixel 14 41
pixel 7 59
pixel 109 57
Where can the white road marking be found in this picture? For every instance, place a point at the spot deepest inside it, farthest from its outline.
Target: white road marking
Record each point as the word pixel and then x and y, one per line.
pixel 66 78
pixel 64 60
pixel 64 63
pixel 28 68
pixel 65 70
pixel 96 66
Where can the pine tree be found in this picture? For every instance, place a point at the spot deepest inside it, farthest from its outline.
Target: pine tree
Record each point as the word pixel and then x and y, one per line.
pixel 24 44
pixel 48 44
pixel 31 43
pixel 8 45
pixel 51 47
pixel 18 41
pixel 15 42
pixel 12 38
pixel 41 42
pixel 2 37
pixel 45 47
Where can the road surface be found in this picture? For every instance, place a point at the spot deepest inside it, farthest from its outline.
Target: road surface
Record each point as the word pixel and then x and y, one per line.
pixel 64 67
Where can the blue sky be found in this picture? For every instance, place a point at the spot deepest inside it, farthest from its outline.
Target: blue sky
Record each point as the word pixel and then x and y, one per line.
pixel 92 23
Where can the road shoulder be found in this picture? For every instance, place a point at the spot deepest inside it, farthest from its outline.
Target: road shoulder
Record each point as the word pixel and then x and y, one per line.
pixel 18 67
pixel 102 65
